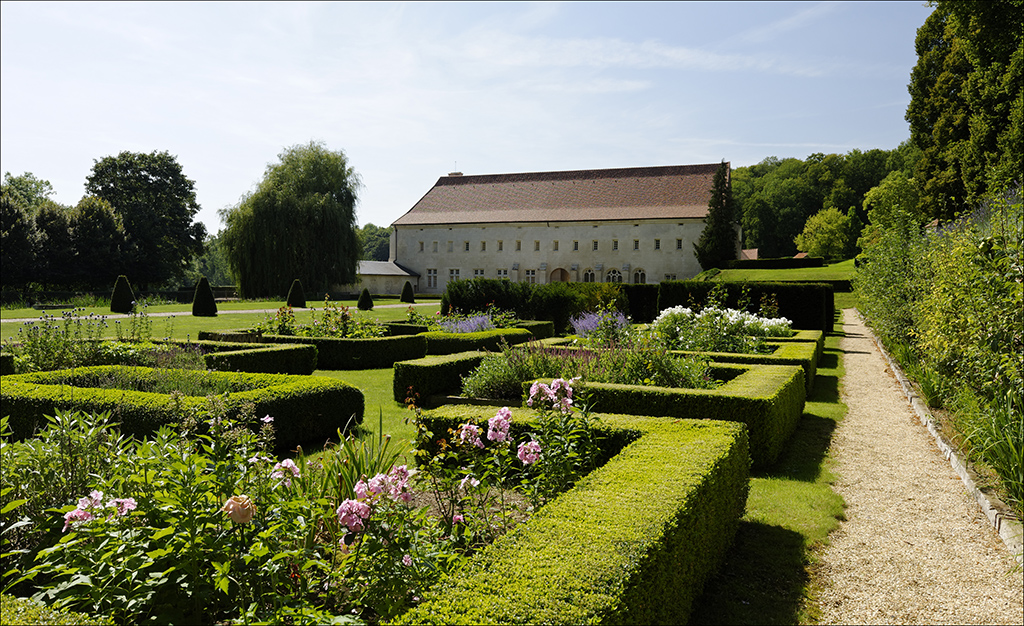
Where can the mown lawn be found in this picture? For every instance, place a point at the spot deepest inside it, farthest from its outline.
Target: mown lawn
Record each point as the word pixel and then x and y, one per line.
pixel 837 271
pixel 175 321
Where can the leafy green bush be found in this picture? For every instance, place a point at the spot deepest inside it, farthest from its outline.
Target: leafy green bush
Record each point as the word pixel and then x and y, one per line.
pixel 949 306
pixel 25 611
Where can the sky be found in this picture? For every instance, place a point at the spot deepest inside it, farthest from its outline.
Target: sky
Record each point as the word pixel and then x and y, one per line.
pixel 410 92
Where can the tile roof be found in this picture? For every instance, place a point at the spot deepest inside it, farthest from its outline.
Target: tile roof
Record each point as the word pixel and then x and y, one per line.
pixel 383 268
pixel 669 192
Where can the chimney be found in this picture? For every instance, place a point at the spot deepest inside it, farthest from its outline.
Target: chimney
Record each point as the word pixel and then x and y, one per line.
pixel 455 173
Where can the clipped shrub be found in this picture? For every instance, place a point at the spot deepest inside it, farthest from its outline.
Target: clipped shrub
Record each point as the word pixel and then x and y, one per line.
pixel 296 296
pixel 305 408
pixel 407 293
pixel 433 375
pixel 440 342
pixel 351 353
pixel 633 542
pixel 122 299
pixel 643 302
pixel 203 302
pixel 365 302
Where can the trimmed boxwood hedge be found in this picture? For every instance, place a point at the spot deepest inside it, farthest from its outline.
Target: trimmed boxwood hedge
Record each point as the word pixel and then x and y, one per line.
pixel 433 375
pixel 769 399
pixel 15 610
pixel 810 306
pixel 802 353
pixel 349 354
pixel 305 408
pixel 266 358
pixel 440 342
pixel 631 543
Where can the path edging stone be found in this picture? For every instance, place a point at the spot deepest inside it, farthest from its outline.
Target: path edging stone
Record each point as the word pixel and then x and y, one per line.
pixel 1009 528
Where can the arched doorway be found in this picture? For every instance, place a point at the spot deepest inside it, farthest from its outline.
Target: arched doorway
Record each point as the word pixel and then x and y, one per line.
pixel 558 276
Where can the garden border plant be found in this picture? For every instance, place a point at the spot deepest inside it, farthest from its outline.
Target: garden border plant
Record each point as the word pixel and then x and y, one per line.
pixel 582 559
pixel 307 408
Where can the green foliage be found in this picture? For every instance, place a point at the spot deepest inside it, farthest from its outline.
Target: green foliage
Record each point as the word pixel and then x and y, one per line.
pixel 47 344
pixel 440 342
pixel 28 190
pixel 25 611
pixel 55 249
pixel 365 302
pixel 157 205
pixel 298 223
pixel 717 241
pixel 375 242
pixel 17 239
pixel 950 307
pixel 828 233
pixel 966 109
pixel 122 298
pixel 808 306
pixel 296 296
pixel 212 263
pixel 407 293
pixel 99 239
pixel 203 302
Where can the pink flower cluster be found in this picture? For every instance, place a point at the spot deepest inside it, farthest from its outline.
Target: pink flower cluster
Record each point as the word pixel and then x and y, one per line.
pixel 285 471
pixel 470 433
pixel 91 507
pixel 353 513
pixel 394 485
pixel 497 426
pixel 557 396
pixel 529 452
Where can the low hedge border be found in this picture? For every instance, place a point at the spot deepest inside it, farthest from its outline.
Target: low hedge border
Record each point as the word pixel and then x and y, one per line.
pixel 540 329
pixel 433 375
pixel 805 354
pixel 440 342
pixel 631 543
pixel 244 357
pixel 769 399
pixel 6 363
pixel 305 408
pixel 359 354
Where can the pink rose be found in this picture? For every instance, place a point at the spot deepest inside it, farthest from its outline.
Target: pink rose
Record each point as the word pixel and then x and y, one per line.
pixel 240 509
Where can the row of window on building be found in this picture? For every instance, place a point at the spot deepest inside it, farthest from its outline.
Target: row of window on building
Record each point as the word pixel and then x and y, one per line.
pixel 595 245
pixel 530 276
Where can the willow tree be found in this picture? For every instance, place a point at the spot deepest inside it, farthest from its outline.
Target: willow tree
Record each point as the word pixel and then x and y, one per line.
pixel 299 222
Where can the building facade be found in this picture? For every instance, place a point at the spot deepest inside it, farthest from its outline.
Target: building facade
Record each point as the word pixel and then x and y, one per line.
pixel 631 225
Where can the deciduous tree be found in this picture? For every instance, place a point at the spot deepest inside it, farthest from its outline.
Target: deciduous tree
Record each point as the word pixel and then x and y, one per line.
pixel 298 223
pixel 157 205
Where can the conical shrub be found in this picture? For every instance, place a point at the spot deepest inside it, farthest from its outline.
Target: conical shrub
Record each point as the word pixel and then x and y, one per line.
pixel 407 294
pixel 296 296
pixel 365 302
pixel 203 302
pixel 122 299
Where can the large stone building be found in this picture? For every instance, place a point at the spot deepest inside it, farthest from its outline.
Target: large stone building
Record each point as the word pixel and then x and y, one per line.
pixel 632 225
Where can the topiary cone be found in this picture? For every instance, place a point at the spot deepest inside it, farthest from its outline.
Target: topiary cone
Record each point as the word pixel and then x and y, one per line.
pixel 407 294
pixel 203 302
pixel 122 299
pixel 365 302
pixel 296 296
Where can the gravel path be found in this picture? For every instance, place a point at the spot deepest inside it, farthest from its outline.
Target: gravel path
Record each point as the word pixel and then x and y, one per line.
pixel 915 548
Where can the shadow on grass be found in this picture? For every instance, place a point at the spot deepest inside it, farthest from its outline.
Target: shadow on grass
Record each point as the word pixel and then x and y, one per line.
pixel 761 581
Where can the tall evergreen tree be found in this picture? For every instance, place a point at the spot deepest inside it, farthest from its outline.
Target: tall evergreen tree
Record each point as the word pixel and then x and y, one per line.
pixel 717 242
